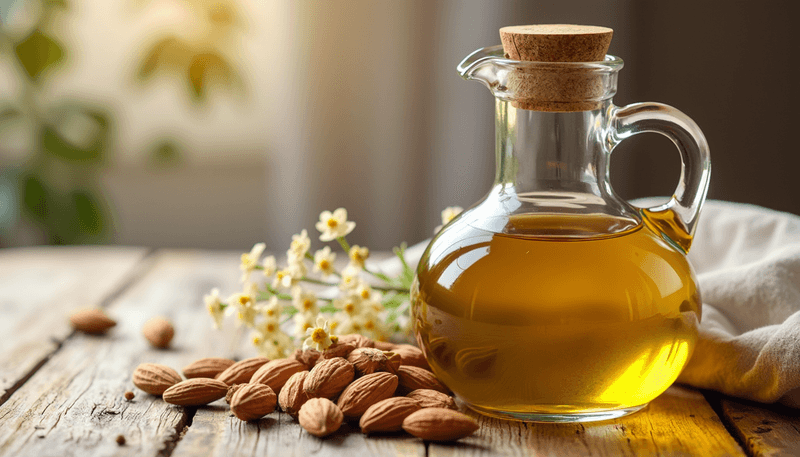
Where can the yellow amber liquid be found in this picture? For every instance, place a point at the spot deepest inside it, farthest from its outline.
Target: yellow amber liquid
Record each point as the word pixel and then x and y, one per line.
pixel 556 321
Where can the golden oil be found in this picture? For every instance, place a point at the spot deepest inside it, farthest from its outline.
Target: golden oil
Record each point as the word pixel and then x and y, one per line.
pixel 558 315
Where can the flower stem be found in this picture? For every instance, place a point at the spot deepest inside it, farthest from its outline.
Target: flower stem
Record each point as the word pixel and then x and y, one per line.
pixel 343 243
pixel 319 282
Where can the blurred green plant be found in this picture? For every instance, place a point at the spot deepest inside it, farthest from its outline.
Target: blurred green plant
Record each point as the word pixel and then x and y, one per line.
pixel 57 188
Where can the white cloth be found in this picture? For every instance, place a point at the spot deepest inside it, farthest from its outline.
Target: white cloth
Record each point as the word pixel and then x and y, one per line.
pixel 747 260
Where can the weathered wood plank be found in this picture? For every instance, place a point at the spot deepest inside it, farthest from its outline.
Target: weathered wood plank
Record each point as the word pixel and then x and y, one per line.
pixel 38 289
pixel 679 422
pixel 73 405
pixel 765 431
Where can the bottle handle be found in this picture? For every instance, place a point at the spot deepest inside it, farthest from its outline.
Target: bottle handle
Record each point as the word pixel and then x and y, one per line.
pixel 677 219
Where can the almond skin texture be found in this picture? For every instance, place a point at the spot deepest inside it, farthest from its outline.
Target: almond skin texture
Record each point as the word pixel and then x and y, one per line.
pixel 428 398
pixel 209 367
pixel 309 357
pixel 92 321
pixel 393 362
pixel 384 345
pixel 154 378
pixel 241 371
pixel 320 417
pixel 292 396
pixel 359 341
pixel 232 390
pixel 339 349
pixel 253 401
pixel 275 373
pixel 368 360
pixel 195 392
pixel 365 392
pixel 388 415
pixel 411 355
pixel 158 332
pixel 439 424
pixel 329 378
pixel 413 378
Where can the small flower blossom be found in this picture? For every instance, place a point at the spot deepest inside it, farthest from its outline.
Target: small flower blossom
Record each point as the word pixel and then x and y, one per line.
pixel 271 310
pixel 334 225
pixel 215 307
pixel 303 322
pixel 323 261
pixel 448 214
pixel 350 304
pixel 364 291
pixel 304 300
pixel 351 277
pixel 270 266
pixel 300 244
pixel 358 255
pixel 250 260
pixel 245 307
pixel 289 276
pixel 372 326
pixel 273 344
pixel 319 337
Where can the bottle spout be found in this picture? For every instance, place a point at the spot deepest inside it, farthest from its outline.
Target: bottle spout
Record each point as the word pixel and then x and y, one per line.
pixel 482 66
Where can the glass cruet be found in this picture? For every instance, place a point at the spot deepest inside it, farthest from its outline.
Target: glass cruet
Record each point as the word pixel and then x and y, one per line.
pixel 552 299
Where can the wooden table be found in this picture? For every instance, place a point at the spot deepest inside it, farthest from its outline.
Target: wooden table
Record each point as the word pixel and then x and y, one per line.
pixel 61 393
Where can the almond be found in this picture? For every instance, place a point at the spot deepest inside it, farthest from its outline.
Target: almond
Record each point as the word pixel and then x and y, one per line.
pixel 241 371
pixel 232 390
pixel 339 349
pixel 387 415
pixel 428 398
pixel 159 332
pixel 292 396
pixel 195 392
pixel 359 341
pixel 384 345
pixel 329 378
pixel 208 367
pixel 365 392
pixel 412 355
pixel 276 372
pixel 413 378
pixel 154 378
pixel 368 361
pixel 393 362
pixel 320 417
pixel 92 321
pixel 439 424
pixel 308 357
pixel 253 401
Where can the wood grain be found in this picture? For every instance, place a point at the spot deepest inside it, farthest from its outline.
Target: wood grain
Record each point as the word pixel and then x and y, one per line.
pixel 38 289
pixel 765 431
pixel 74 405
pixel 679 422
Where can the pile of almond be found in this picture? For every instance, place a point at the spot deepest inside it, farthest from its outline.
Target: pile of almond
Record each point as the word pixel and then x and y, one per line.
pixel 384 387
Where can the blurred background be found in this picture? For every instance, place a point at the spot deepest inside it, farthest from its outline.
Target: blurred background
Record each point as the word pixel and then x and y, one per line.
pixel 221 123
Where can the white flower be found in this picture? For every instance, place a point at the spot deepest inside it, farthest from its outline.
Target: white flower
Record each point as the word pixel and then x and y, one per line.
pixel 448 214
pixel 271 310
pixel 289 276
pixel 323 261
pixel 351 277
pixel 273 344
pixel 334 225
pixel 300 244
pixel 245 307
pixel 215 307
pixel 336 321
pixel 364 291
pixel 270 266
pixel 250 260
pixel 358 255
pixel 319 337
pixel 303 322
pixel 352 305
pixel 373 327
pixel 305 301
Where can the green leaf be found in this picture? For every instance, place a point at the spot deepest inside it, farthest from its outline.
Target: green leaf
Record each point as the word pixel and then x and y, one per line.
pixel 88 213
pixel 38 52
pixel 92 139
pixel 35 198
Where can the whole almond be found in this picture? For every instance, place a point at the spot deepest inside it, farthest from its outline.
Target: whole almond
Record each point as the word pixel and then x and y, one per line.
pixel 365 392
pixel 439 424
pixel 428 398
pixel 384 345
pixel 241 371
pixel 154 378
pixel 208 367
pixel 292 396
pixel 393 362
pixel 413 378
pixel 232 390
pixel 253 401
pixel 276 372
pixel 411 355
pixel 359 341
pixel 339 349
pixel 91 320
pixel 195 392
pixel 329 378
pixel 308 356
pixel 320 417
pixel 368 360
pixel 159 332
pixel 387 415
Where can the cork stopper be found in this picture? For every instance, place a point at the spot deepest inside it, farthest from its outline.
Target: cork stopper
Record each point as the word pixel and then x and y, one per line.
pixel 554 88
